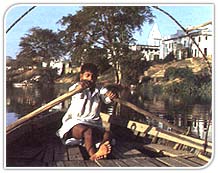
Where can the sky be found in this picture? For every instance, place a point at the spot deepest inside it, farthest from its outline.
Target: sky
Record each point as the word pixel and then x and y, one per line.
pixel 46 17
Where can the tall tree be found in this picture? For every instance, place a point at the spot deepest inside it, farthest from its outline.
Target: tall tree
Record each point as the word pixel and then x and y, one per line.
pixel 43 43
pixel 108 27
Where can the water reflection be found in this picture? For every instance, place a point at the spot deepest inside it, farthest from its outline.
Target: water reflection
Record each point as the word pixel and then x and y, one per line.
pixel 21 101
pixel 185 113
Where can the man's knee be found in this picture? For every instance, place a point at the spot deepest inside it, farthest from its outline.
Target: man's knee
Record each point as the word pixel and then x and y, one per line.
pixel 87 133
pixel 78 131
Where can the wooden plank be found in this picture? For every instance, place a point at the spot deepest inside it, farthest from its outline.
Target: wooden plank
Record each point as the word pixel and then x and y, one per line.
pixel 60 153
pixel 90 163
pixel 170 136
pixel 126 150
pixel 167 151
pixel 106 163
pixel 156 162
pixel 120 153
pixel 60 163
pixel 130 162
pixel 25 163
pixel 49 154
pixel 51 164
pixel 40 156
pixel 18 134
pixel 172 162
pixel 74 153
pixel 203 157
pixel 199 141
pixel 188 162
pixel 75 163
pixel 24 153
pixel 145 163
pixel 198 161
pixel 120 163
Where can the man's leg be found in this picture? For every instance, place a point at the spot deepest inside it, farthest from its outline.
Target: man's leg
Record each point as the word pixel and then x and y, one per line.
pixel 81 131
pixel 105 147
pixel 106 136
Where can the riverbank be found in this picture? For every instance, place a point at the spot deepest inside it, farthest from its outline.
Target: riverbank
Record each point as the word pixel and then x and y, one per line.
pixel 154 72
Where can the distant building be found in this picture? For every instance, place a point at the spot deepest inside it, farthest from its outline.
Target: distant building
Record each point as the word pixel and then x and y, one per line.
pixel 63 66
pixel 154 38
pixel 151 51
pixel 55 64
pixel 180 45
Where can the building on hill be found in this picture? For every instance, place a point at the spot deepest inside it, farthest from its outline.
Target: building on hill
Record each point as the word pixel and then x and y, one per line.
pixel 154 37
pixel 180 45
pixel 151 51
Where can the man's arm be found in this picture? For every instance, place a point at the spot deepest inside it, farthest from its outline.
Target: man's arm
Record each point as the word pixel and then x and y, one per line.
pixel 107 96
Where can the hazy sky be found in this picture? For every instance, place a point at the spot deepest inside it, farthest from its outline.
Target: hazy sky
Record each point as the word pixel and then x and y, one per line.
pixel 46 17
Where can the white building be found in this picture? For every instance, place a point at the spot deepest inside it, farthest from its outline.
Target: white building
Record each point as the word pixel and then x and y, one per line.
pixel 151 51
pixel 154 38
pixel 55 64
pixel 181 45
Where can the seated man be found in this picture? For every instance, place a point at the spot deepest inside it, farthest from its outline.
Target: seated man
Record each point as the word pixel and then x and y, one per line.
pixel 82 120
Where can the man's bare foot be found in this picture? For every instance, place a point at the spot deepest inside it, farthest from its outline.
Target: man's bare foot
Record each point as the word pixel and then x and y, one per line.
pixel 102 152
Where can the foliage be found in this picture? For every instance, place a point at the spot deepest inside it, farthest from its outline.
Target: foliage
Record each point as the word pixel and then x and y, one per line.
pixel 173 73
pixel 98 56
pixel 109 28
pixel 48 76
pixel 198 86
pixel 132 67
pixel 39 45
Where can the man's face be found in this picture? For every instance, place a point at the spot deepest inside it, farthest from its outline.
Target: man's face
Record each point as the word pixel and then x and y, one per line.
pixel 87 75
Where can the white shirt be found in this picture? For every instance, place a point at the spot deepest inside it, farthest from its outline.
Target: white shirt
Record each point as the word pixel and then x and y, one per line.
pixel 84 108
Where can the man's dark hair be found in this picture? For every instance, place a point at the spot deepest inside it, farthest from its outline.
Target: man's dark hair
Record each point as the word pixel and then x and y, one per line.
pixel 89 67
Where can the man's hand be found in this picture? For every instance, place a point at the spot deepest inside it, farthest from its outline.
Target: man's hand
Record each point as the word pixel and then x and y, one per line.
pixel 85 84
pixel 112 94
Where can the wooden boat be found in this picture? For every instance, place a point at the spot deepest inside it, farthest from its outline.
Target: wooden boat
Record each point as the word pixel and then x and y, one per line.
pixel 34 144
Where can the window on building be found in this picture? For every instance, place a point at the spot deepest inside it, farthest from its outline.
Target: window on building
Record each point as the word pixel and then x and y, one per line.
pixel 185 43
pixel 199 39
pixel 205 51
pixel 206 37
pixel 195 55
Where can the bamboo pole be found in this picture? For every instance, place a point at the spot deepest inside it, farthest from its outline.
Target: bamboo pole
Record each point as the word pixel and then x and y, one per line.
pixel 148 114
pixel 41 109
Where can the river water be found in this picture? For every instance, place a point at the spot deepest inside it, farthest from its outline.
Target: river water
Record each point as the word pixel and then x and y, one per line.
pixel 21 101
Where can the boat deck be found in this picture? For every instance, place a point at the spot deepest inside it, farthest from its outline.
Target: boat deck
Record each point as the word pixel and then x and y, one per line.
pixel 50 152
pixel 35 144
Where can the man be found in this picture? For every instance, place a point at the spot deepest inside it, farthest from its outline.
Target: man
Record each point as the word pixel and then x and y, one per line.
pixel 82 121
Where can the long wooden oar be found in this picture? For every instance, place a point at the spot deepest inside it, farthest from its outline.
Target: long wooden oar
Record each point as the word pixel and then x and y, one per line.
pixel 42 109
pixel 148 114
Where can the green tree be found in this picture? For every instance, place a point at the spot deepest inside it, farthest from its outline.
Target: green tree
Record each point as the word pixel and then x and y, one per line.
pixel 39 45
pixel 108 27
